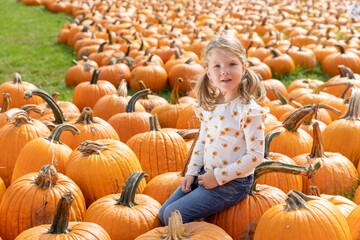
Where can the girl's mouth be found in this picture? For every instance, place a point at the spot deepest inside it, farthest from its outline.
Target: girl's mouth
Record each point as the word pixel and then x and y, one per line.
pixel 226 80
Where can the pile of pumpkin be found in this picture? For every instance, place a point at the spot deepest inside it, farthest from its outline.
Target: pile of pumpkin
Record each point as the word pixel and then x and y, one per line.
pixel 100 148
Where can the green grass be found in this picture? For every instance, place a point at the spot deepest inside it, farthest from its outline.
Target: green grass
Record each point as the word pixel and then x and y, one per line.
pixel 29 46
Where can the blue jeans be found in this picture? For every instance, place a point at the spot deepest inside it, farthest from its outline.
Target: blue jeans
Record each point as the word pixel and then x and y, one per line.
pixel 202 202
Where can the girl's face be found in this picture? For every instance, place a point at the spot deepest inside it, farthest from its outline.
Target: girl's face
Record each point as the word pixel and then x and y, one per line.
pixel 225 70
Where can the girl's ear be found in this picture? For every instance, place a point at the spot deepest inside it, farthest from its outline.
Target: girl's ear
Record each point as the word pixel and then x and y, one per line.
pixel 207 73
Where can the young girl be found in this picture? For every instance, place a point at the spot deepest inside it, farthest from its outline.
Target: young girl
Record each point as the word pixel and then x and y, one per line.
pixel 231 138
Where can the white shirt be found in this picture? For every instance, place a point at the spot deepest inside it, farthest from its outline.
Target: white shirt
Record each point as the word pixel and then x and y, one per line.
pixel 231 140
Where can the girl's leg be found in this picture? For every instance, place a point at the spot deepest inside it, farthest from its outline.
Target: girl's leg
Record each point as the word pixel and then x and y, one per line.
pixel 203 202
pixel 174 197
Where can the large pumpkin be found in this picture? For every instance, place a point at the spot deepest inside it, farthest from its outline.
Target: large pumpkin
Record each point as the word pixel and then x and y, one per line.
pixel 101 167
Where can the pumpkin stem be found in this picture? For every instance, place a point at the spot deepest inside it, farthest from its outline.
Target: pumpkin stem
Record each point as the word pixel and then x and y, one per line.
pixel 101 47
pixel 193 131
pixel 47 177
pixel 317 150
pixel 341 48
pixel 294 121
pixel 61 215
pixel 32 107
pixel 154 123
pixel 282 99
pixel 95 76
pixel 86 117
pixel 58 130
pixel 6 103
pixel 274 166
pixel 59 117
pixel 127 197
pixel 20 116
pixel 175 92
pixel 296 200
pixel 354 106
pixel 176 228
pixel 318 89
pixel 314 190
pixel 142 87
pixel 275 53
pixel 17 78
pixel 130 108
pixel 91 147
pixel 111 41
pixel 122 89
pixel 268 139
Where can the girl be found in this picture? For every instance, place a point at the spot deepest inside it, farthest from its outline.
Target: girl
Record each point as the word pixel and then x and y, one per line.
pixel 231 138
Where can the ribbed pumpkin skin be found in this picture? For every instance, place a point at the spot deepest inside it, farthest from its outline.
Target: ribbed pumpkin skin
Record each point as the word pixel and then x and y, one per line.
pixel 321 220
pixel 122 222
pixel 240 220
pixel 16 92
pixel 292 144
pixel 39 152
pixel 82 92
pixel 159 152
pixel 12 139
pixel 79 231
pixel 343 136
pixel 354 223
pixel 345 205
pixel 105 173
pixel 162 186
pixel 2 189
pixel 283 181
pixel 99 129
pixel 24 198
pixel 168 114
pixel 129 124
pixel 197 231
pixel 335 176
pixel 109 105
pixel 188 119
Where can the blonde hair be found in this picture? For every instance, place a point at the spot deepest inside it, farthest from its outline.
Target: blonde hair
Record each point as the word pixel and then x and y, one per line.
pixel 250 86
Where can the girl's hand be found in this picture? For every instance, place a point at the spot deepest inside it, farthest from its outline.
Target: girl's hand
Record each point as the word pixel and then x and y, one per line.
pixel 186 183
pixel 208 180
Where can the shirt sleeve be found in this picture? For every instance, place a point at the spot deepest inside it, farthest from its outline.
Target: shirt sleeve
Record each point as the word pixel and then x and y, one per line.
pixel 197 157
pixel 253 127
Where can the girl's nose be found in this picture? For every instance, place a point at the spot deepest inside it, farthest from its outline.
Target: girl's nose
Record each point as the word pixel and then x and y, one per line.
pixel 224 71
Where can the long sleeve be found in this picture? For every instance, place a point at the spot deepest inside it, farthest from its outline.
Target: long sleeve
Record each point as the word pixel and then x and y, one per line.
pixel 253 127
pixel 197 157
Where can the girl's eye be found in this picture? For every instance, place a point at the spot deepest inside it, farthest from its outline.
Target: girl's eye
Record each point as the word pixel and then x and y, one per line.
pixel 232 64
pixel 216 66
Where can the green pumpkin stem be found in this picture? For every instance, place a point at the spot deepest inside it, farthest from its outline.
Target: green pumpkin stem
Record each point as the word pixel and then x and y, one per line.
pixel 58 130
pixel 131 104
pixel 176 229
pixel 61 217
pixel 111 41
pixel 294 121
pixel 127 197
pixel 175 92
pixel 354 106
pixel 6 105
pixel 268 139
pixel 282 99
pixel 128 42
pixel 341 48
pixel 59 117
pixel 101 47
pixel 47 177
pixel 189 61
pixel 154 123
pixel 296 200
pixel 274 166
pixel 95 76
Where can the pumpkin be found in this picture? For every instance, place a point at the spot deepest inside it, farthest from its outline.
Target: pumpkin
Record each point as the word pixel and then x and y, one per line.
pixel 101 167
pixel 303 217
pixel 150 101
pixel 115 72
pixel 158 151
pixel 16 89
pixel 31 201
pixel 78 73
pixel 95 88
pixel 303 57
pixel 90 128
pixel 342 134
pixel 41 151
pixel 137 212
pixel 168 114
pixel 280 64
pixel 304 83
pixel 188 119
pixel 61 227
pixel 6 105
pixel 348 59
pixel 191 231
pixel 109 105
pixel 130 123
pixel 14 135
pixel 337 174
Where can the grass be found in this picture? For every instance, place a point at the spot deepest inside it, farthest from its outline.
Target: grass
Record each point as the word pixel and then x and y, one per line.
pixel 29 47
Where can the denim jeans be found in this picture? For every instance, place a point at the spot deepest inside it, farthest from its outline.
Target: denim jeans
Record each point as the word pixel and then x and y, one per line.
pixel 202 202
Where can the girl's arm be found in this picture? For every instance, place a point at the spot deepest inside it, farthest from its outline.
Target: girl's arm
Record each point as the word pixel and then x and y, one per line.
pixel 196 160
pixel 253 127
